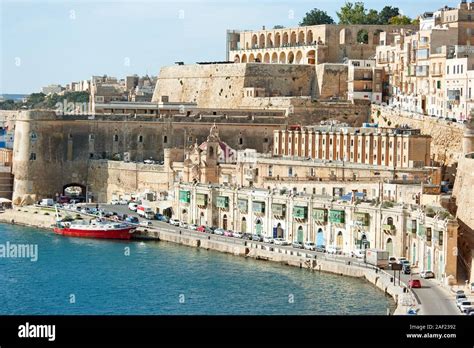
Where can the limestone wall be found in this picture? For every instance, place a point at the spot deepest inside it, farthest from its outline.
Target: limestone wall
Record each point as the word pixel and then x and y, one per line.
pixel 447 138
pixel 222 85
pixel 463 191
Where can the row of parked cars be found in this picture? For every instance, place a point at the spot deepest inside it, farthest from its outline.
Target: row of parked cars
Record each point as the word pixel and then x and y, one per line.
pixel 248 236
pixel 465 305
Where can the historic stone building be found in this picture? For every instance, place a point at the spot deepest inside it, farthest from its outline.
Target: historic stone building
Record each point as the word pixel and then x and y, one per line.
pixel 392 147
pixel 401 229
pixel 317 44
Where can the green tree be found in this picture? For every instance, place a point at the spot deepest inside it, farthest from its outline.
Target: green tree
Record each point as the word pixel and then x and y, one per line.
pixel 387 13
pixel 352 13
pixel 315 17
pixel 400 20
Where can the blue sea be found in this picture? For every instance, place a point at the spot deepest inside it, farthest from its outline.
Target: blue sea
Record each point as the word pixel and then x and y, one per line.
pixel 12 96
pixel 86 276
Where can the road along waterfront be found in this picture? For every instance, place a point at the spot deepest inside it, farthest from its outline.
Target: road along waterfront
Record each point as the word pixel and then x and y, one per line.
pixel 300 258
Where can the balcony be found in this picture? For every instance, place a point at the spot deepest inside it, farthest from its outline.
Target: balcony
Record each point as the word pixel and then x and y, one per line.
pixel 390 229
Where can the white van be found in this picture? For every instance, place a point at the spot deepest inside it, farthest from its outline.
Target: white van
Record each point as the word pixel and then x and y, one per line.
pixel 133 206
pixel 47 202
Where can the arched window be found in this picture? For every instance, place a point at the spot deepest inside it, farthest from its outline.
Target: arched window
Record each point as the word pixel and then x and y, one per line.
pixel 140 138
pixel 224 222
pixel 389 221
pixel 115 137
pixel 165 139
pixel 211 151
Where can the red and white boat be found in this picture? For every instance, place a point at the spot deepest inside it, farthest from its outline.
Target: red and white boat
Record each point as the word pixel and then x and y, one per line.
pixel 95 229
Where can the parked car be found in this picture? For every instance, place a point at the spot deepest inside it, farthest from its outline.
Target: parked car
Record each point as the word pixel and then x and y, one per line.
pixel 203 229
pixel 321 248
pixel 466 306
pixel 174 222
pixel 123 202
pixel 115 202
pixel 257 237
pixel 183 224
pixel 280 241
pixel 460 298
pixel 406 268
pixel 247 236
pixel 193 227
pixel 359 253
pixel 297 245
pixel 459 292
pixel 164 218
pixel 132 219
pixel 309 246
pixel 402 260
pixel 427 274
pixel 133 206
pixel 219 231
pixel 392 259
pixel 146 223
pixel 268 239
pixel 228 233
pixel 237 234
pixel 332 249
pixel 414 283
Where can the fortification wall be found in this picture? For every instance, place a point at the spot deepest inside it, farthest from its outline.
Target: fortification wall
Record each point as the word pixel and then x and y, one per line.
pixel 221 85
pixel 447 138
pixel 463 190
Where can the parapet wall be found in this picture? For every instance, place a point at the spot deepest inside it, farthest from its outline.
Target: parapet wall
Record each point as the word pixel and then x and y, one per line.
pixel 447 137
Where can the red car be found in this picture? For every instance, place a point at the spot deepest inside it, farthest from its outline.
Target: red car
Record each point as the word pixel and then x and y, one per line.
pixel 202 228
pixel 414 283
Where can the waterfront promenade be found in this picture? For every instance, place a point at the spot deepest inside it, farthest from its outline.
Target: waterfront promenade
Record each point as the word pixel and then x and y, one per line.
pixel 431 299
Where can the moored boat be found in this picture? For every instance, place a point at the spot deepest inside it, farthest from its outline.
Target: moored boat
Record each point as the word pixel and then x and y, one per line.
pixel 95 229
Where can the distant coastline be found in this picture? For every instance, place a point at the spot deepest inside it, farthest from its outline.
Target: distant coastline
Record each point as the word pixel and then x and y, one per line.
pixel 7 96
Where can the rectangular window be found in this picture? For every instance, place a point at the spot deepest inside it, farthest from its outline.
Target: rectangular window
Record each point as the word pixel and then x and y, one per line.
pixel 32 156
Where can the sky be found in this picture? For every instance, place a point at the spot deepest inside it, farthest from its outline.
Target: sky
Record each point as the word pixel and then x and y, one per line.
pixel 46 42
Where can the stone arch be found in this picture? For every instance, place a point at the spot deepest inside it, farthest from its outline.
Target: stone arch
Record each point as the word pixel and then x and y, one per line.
pixel 261 41
pixel 311 57
pixel 345 36
pixel 293 38
pixel 340 239
pixel 224 222
pixel 285 39
pixel 291 58
pixel 254 40
pixel 301 40
pixel 299 57
pixel 259 58
pixel 389 246
pixel 309 37
pixel 300 234
pixel 258 226
pixel 274 57
pixel 282 58
pixel 243 225
pixel 251 58
pixel 269 40
pixel 277 40
pixel 266 58
pixel 237 59
pixel 244 58
pixel 363 36
pixel 376 37
pixel 279 231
